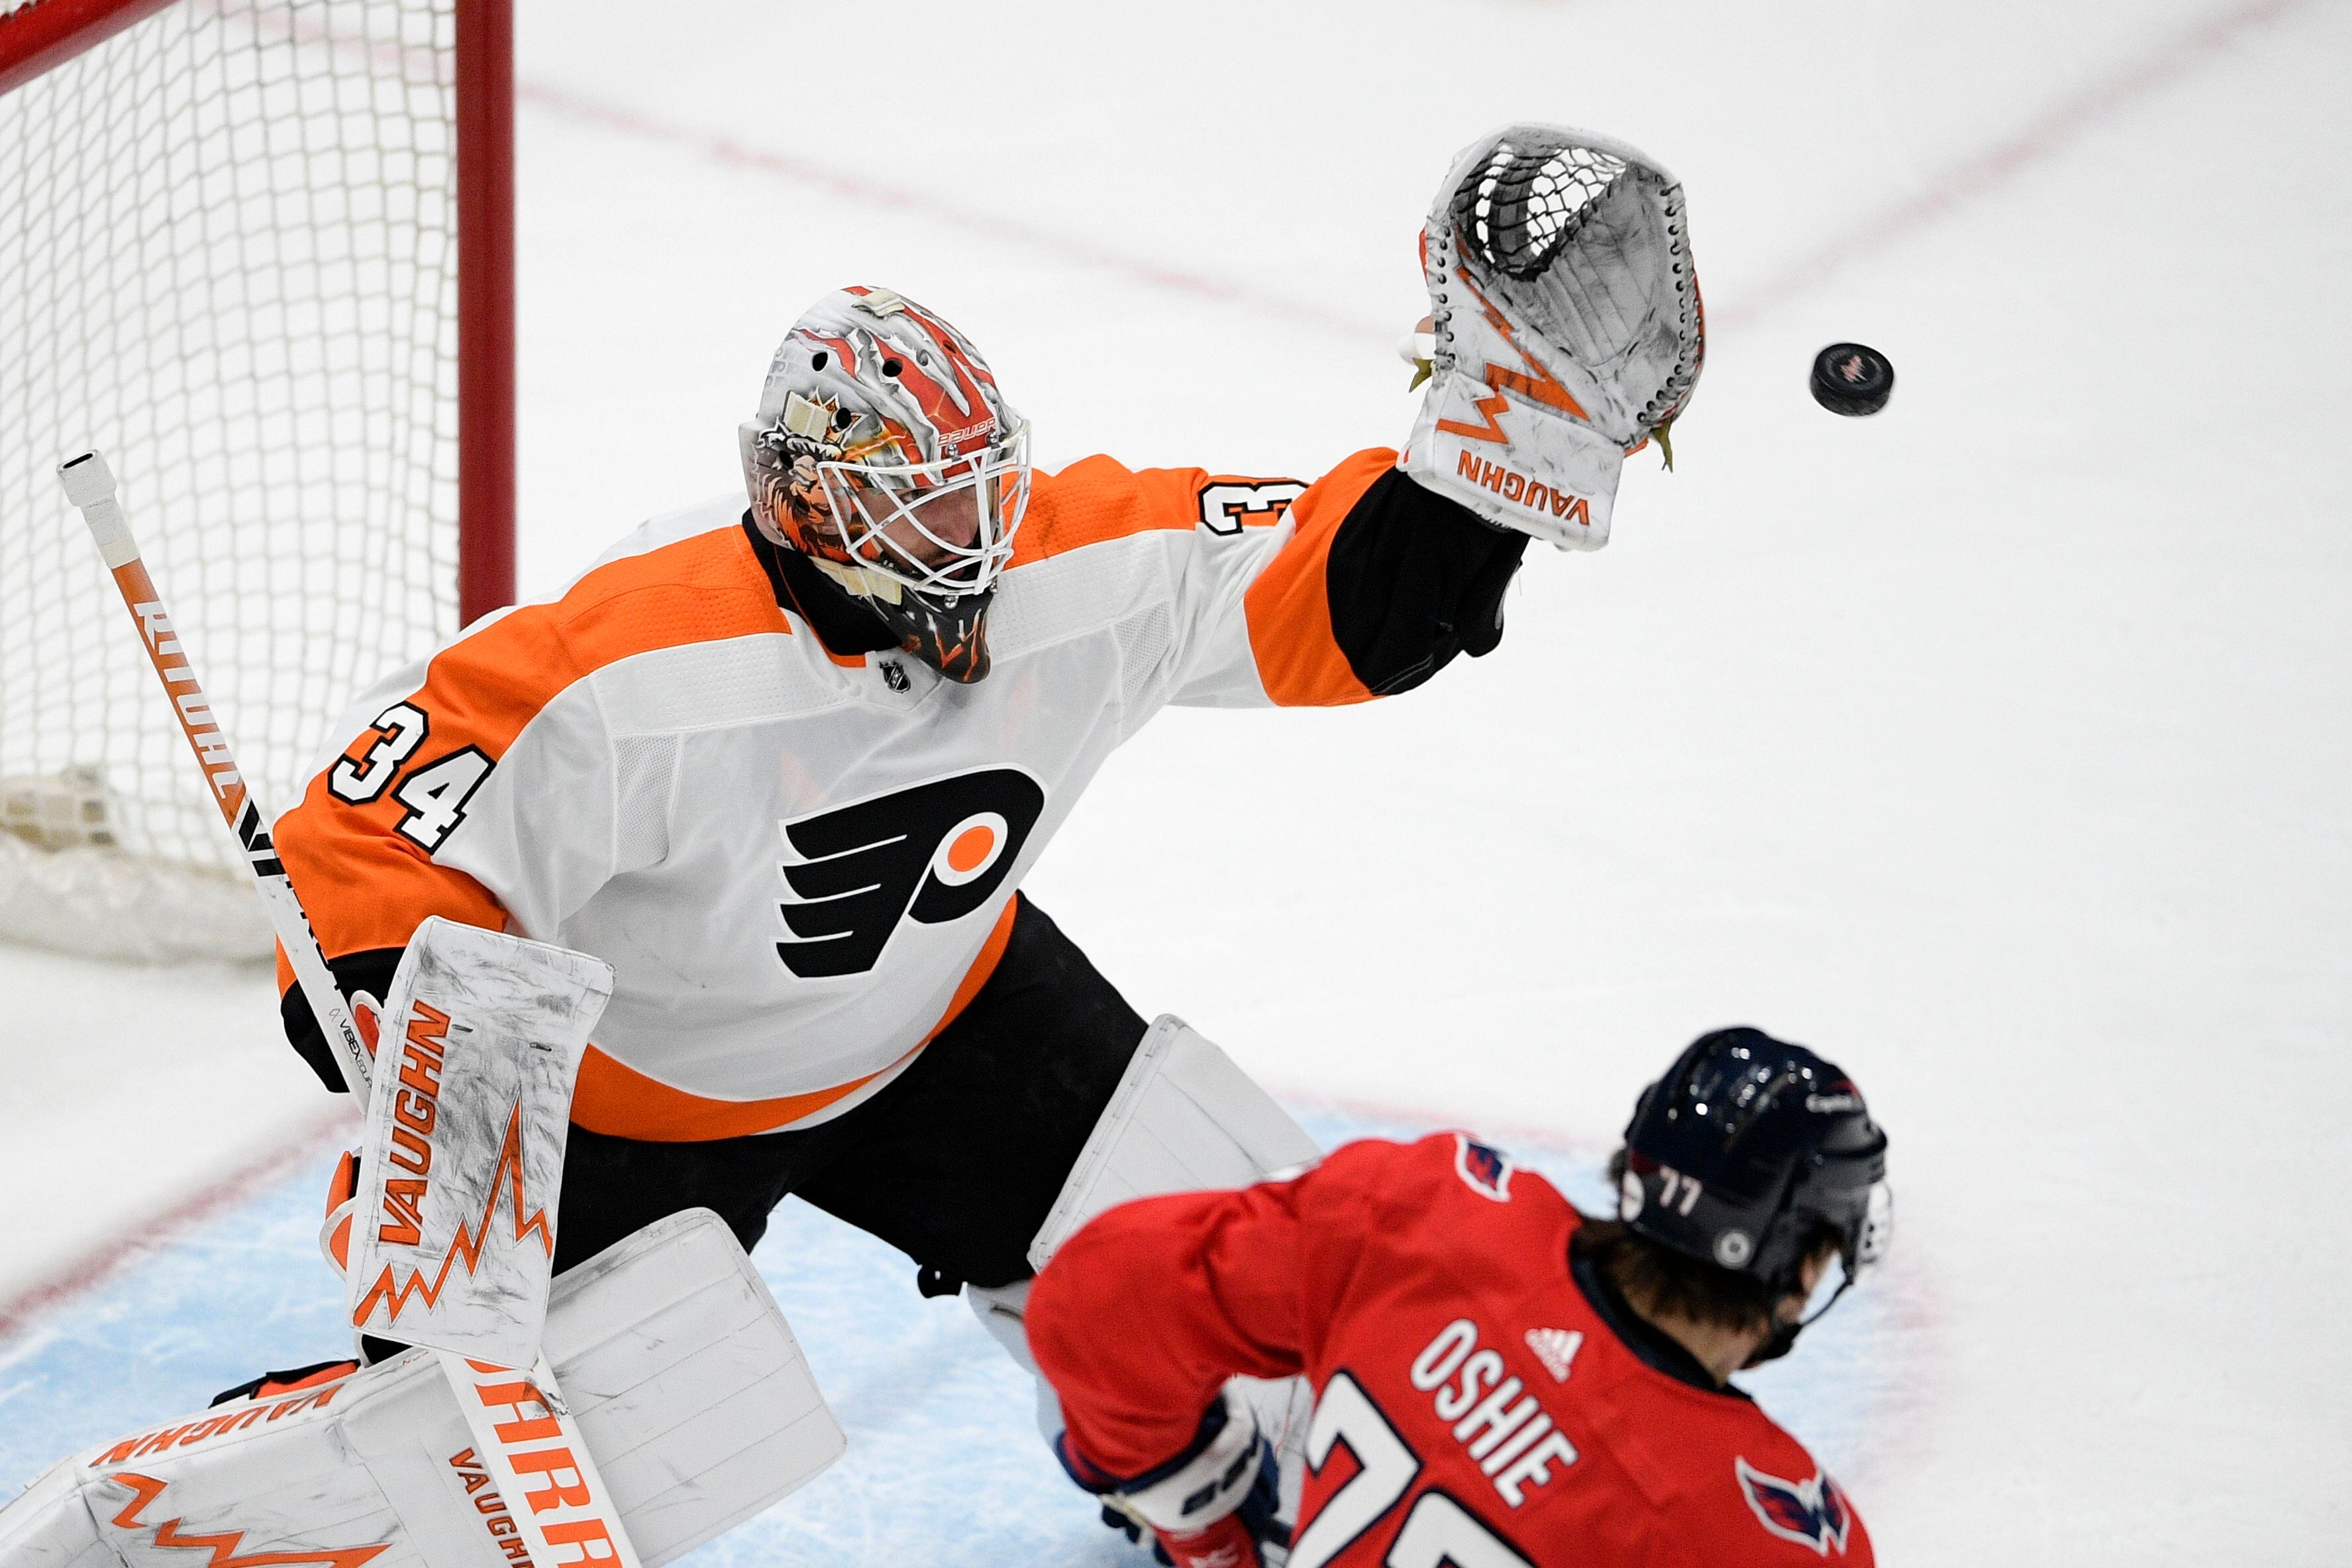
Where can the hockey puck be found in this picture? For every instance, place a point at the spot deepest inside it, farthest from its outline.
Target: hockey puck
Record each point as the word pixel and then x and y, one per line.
pixel 1852 379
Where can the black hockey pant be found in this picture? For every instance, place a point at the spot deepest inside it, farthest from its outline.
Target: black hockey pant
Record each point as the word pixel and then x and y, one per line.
pixel 955 1162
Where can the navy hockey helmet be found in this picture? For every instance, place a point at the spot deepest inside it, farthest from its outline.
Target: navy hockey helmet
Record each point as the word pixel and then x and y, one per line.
pixel 1747 1151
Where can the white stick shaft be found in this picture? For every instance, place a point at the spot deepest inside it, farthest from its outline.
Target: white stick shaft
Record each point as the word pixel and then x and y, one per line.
pixel 519 1422
pixel 581 1513
pixel 90 485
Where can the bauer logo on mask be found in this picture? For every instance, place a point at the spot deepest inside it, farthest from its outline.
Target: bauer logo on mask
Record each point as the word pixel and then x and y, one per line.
pixel 932 853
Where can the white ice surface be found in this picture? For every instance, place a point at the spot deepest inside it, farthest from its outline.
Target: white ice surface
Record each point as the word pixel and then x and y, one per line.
pixel 1999 745
pixel 123 1092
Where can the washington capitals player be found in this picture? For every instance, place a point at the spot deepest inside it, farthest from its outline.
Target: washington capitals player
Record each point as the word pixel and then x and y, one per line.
pixel 784 767
pixel 1514 1383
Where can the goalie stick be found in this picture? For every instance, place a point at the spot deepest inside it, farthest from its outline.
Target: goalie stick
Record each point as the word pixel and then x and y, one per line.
pixel 513 1413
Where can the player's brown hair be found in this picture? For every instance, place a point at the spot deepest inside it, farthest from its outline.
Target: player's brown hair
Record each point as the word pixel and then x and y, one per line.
pixel 1657 1278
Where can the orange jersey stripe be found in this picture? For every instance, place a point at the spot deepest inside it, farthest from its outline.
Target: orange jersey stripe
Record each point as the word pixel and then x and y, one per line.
pixel 365 885
pixel 619 1101
pixel 1098 498
pixel 1289 606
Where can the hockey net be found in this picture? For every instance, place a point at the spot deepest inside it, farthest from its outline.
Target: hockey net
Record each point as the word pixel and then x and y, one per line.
pixel 229 259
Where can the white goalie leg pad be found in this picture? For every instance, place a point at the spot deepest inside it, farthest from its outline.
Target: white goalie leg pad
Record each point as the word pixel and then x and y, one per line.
pixel 1184 1118
pixel 680 1370
pixel 453 1239
pixel 1001 1311
pixel 1284 1409
pixel 50 1526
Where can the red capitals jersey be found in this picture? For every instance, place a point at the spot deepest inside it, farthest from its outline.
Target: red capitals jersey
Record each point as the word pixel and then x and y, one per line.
pixel 1475 1405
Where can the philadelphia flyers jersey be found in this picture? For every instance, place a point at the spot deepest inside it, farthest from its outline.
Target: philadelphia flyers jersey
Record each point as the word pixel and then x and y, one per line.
pixel 800 861
pixel 1482 1401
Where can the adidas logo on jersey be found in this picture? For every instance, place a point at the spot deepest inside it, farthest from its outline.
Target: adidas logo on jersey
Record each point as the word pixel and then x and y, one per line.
pixel 1556 1348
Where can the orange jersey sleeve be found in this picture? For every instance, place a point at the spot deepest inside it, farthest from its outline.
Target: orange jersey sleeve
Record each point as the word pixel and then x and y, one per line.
pixel 480 786
pixel 1299 594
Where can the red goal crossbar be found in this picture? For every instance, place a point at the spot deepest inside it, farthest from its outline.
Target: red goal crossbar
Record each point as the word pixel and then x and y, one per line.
pixel 42 35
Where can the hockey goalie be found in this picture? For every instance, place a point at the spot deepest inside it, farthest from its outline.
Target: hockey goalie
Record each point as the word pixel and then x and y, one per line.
pixel 783 759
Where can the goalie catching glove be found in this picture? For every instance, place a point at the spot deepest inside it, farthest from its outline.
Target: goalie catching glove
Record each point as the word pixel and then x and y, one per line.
pixel 1565 327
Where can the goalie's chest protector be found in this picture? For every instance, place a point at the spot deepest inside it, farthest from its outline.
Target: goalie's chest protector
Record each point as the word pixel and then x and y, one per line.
pixel 798 864
pixel 837 853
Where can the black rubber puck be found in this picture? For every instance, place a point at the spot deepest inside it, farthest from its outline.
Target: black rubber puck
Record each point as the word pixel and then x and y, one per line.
pixel 1852 379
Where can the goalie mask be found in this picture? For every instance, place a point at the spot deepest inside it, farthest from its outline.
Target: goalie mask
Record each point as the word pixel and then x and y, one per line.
pixel 883 452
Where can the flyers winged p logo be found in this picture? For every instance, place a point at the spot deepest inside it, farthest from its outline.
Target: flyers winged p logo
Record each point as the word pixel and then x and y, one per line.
pixel 931 854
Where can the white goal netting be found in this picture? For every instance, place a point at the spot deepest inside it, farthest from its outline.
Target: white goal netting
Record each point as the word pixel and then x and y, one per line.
pixel 227 260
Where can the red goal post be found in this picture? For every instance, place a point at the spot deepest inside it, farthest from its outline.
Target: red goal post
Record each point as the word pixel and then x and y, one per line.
pixel 263 251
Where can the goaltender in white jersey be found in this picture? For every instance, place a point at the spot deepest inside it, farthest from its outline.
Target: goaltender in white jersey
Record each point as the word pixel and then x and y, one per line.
pixel 783 766
pixel 800 859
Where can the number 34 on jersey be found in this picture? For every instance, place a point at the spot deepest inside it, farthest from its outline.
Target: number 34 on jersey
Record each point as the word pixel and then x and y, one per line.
pixel 433 797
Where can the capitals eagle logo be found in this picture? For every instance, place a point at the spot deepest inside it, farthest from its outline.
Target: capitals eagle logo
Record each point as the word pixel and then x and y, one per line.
pixel 1484 1169
pixel 1809 1513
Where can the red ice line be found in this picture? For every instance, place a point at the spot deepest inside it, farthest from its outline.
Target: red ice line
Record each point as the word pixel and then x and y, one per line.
pixel 1972 177
pixel 101 1263
pixel 2050 133
pixel 918 203
pixel 2055 130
